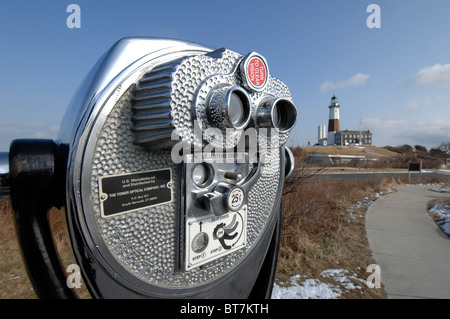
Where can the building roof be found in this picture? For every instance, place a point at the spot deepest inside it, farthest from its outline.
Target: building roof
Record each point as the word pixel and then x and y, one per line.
pixel 354 131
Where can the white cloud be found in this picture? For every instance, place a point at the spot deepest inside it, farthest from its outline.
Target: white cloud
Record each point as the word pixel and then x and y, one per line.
pixel 419 103
pixel 429 133
pixel 435 75
pixel 385 125
pixel 355 80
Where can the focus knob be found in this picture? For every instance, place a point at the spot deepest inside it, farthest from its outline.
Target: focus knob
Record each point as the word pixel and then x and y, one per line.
pixel 224 199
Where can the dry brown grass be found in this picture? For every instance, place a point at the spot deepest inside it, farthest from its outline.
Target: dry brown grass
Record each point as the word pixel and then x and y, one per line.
pixel 373 151
pixel 318 233
pixel 382 151
pixel 324 227
pixel 14 281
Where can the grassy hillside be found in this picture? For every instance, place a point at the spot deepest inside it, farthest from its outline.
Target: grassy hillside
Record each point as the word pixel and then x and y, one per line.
pixel 368 151
pixel 386 157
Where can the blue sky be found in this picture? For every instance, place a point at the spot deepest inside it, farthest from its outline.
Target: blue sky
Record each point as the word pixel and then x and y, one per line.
pixel 394 79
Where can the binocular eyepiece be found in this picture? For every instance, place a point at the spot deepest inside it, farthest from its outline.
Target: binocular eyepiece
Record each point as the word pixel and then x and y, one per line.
pixel 170 163
pixel 229 107
pixel 277 113
pixel 210 98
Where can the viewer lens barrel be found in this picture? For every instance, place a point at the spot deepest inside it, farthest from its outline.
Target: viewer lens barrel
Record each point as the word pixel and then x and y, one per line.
pixel 278 113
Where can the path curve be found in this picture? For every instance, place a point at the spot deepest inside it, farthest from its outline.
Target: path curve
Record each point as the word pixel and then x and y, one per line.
pixel 411 250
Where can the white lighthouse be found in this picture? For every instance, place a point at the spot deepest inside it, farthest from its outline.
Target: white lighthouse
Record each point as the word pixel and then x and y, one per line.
pixel 333 122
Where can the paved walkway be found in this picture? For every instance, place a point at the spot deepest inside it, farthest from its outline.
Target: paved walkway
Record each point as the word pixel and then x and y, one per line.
pixel 412 252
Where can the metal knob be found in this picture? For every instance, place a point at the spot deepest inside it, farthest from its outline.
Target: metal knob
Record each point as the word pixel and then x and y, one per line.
pixel 224 199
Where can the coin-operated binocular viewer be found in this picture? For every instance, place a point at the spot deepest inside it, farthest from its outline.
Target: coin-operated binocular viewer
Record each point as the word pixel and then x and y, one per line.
pixel 170 163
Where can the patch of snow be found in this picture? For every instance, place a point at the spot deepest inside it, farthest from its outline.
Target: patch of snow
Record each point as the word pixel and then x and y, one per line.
pixel 443 189
pixel 441 213
pixel 352 210
pixel 341 276
pixel 307 288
